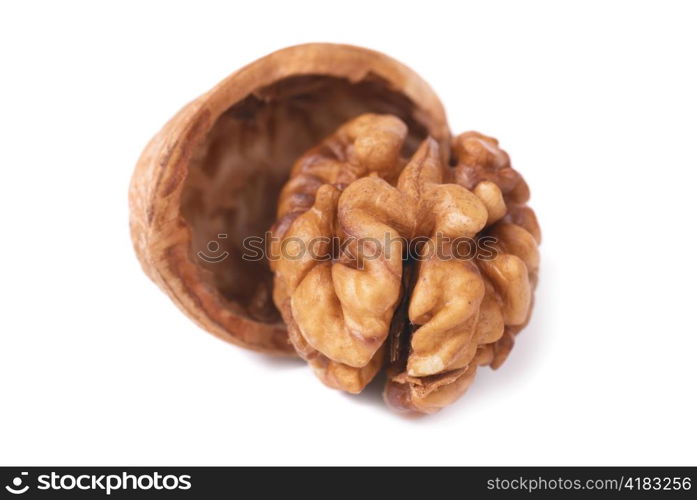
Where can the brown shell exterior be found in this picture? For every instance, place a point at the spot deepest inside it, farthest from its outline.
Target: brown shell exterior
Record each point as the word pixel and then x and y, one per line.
pixel 161 236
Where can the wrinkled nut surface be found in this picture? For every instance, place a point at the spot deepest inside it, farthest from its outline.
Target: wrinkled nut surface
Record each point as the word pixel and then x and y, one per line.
pixel 353 296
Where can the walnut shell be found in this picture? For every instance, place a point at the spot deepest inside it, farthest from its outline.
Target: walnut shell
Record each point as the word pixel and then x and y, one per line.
pixel 211 176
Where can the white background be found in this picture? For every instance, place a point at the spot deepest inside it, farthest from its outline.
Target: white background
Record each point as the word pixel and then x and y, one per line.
pixel 597 105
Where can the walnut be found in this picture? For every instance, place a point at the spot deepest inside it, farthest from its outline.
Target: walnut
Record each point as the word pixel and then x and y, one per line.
pixel 211 179
pixel 355 304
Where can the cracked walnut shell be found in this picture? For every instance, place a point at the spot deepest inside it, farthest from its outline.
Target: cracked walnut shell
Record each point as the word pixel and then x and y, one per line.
pixel 355 304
